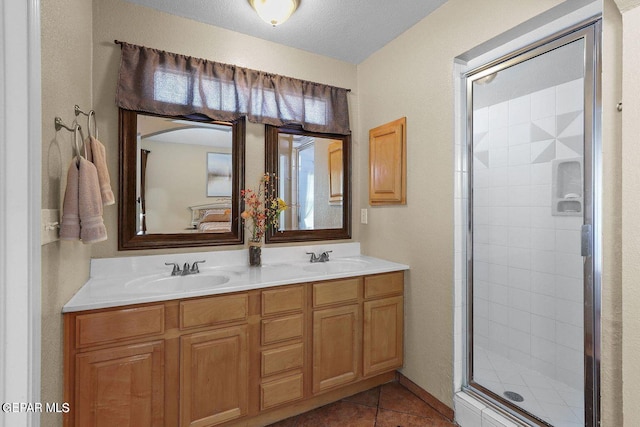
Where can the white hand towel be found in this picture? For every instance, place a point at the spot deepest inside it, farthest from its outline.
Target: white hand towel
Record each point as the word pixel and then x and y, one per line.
pixel 70 224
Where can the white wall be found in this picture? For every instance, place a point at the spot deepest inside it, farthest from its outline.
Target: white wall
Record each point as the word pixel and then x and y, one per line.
pixel 413 76
pixel 66 81
pixel 169 195
pixel 630 217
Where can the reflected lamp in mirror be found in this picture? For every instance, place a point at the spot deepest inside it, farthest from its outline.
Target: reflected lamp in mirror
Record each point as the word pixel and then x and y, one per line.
pixel 314 179
pixel 179 181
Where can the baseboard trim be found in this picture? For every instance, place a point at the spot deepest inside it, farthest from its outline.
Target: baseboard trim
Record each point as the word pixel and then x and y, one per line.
pixel 427 397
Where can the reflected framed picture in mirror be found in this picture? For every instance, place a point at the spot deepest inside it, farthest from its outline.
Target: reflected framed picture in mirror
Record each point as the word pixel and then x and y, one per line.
pixel 219 175
pixel 314 179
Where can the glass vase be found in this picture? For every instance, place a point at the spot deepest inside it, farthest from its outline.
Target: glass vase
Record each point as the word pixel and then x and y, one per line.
pixel 255 254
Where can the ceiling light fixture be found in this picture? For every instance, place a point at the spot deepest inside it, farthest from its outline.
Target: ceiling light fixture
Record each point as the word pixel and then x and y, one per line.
pixel 274 12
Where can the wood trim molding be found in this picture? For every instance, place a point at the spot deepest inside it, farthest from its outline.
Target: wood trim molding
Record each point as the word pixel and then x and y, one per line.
pixel 20 268
pixel 427 397
pixel 627 5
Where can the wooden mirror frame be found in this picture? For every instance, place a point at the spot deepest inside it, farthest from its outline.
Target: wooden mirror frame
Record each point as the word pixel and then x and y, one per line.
pixel 128 238
pixel 272 166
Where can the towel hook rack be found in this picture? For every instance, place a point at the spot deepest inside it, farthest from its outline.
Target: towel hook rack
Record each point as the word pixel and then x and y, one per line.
pixel 89 115
pixel 59 124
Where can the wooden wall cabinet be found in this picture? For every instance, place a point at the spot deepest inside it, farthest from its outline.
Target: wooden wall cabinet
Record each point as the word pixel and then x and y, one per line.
pixel 388 163
pixel 248 358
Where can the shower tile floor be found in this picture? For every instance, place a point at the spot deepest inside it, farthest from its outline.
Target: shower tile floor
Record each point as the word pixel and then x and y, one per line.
pixel 389 405
pixel 556 403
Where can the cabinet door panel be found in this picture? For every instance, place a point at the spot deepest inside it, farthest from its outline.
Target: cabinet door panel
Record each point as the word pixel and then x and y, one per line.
pixel 336 291
pixel 282 359
pixel 382 335
pixel 281 391
pixel 384 285
pixel 212 311
pixel 336 350
pixel 388 163
pixel 278 301
pixel 121 386
pixel 282 329
pixel 112 325
pixel 214 376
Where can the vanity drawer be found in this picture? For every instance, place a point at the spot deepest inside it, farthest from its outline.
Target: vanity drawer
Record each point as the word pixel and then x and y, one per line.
pixel 337 291
pixel 277 301
pixel 281 391
pixel 282 359
pixel 282 329
pixel 114 325
pixel 385 284
pixel 214 310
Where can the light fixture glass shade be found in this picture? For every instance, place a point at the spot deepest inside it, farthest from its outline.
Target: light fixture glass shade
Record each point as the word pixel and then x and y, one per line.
pixel 274 12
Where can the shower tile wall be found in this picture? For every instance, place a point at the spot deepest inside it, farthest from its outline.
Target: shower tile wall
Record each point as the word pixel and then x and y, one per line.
pixel 527 265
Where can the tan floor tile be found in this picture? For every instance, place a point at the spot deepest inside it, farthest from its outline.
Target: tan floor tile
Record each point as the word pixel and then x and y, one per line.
pixel 367 398
pixel 388 418
pixel 339 414
pixel 395 397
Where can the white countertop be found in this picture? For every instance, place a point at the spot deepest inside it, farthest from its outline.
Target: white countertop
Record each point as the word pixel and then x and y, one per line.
pixel 134 280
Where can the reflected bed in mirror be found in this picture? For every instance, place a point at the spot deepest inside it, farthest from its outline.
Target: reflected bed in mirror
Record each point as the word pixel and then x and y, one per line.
pixel 314 173
pixel 179 181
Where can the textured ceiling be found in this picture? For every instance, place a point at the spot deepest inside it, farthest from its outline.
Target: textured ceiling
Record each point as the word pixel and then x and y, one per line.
pixel 348 30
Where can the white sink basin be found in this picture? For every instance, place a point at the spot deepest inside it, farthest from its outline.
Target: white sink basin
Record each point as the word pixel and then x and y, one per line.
pixel 336 266
pixel 163 283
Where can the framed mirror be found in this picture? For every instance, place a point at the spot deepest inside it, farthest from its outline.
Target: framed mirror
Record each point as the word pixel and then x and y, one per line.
pixel 180 181
pixel 314 179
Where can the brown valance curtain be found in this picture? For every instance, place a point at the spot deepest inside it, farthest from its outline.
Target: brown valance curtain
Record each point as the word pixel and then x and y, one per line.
pixel 167 83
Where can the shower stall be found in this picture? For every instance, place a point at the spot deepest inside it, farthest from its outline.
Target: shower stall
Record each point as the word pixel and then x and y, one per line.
pixel 532 292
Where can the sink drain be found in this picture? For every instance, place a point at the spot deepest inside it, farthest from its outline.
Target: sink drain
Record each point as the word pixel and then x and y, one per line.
pixel 512 395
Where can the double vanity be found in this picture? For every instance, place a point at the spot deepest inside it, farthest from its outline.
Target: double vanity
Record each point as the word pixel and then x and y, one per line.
pixel 231 344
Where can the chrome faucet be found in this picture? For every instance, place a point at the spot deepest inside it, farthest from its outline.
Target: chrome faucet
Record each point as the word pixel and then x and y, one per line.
pixel 186 270
pixel 176 269
pixel 194 267
pixel 323 257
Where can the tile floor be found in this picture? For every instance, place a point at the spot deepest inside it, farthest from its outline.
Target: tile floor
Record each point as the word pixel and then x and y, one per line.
pixel 557 403
pixel 389 405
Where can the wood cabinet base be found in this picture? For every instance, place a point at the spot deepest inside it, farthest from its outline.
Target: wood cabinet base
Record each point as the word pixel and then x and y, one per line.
pixel 239 359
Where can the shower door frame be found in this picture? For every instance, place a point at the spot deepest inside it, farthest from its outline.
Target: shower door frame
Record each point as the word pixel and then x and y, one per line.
pixel 589 31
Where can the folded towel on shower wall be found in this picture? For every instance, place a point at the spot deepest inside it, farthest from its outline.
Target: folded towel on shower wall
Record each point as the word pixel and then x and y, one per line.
pixel 70 223
pixel 92 227
pixel 96 153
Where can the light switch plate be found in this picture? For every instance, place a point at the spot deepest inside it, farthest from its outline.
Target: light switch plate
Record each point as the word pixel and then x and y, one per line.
pixel 363 216
pixel 50 225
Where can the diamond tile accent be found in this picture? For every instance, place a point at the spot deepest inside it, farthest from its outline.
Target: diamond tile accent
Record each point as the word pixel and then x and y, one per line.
pixel 547 154
pixel 482 157
pixel 480 141
pixel 568 124
pixel 539 134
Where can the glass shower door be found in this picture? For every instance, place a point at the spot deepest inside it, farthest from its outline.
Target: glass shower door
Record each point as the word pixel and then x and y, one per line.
pixel 531 187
